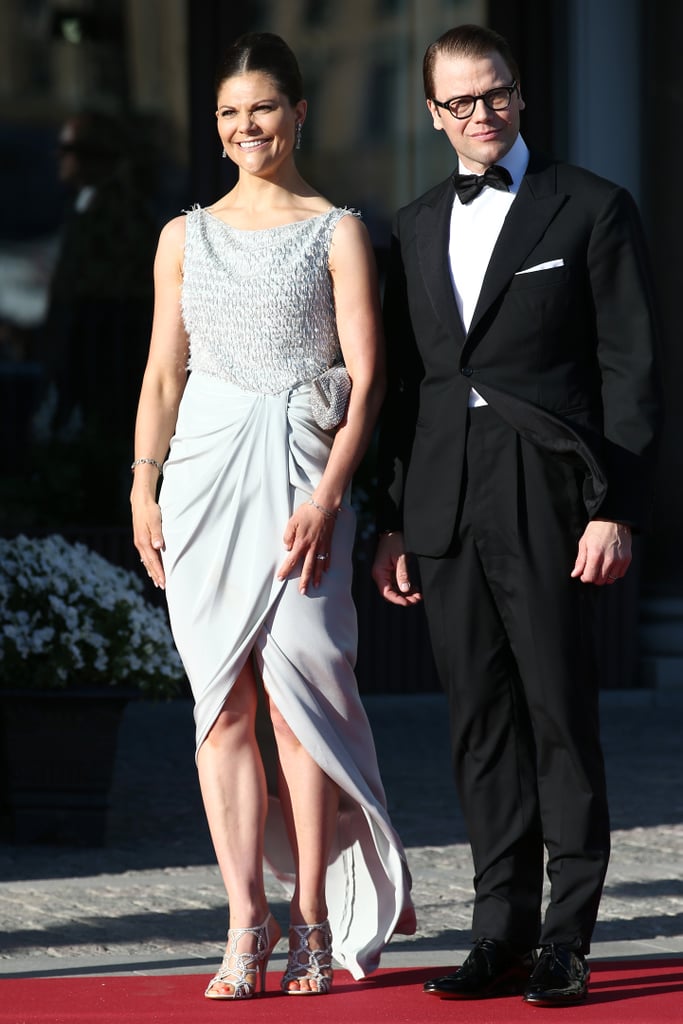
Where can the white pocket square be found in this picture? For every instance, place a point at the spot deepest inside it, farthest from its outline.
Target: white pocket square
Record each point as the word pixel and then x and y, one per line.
pixel 541 266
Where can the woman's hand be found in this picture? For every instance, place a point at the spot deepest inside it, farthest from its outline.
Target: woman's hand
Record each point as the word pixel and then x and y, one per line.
pixel 148 538
pixel 308 538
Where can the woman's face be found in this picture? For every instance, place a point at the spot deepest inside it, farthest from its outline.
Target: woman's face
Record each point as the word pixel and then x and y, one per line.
pixel 257 123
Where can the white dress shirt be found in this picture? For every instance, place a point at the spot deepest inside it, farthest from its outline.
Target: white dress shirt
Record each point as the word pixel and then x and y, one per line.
pixel 474 230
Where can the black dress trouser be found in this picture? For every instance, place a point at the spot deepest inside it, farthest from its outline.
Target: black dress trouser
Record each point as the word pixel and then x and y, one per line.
pixel 514 645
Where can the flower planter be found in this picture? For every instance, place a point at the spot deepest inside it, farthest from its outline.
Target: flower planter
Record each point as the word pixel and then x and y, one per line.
pixel 78 639
pixel 57 752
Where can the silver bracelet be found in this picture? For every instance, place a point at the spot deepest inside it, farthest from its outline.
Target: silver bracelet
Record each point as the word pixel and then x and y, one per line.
pixel 151 462
pixel 327 512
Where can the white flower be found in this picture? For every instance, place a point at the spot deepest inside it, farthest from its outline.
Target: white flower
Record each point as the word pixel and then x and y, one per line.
pixel 70 617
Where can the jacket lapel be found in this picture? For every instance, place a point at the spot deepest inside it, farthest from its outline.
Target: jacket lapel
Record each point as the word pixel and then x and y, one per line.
pixel 535 206
pixel 432 231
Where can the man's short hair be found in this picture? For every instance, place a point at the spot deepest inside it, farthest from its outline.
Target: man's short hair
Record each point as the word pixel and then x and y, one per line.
pixel 473 41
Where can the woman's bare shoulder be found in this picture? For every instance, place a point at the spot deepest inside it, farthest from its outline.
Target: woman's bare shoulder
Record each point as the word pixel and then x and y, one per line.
pixel 349 229
pixel 173 232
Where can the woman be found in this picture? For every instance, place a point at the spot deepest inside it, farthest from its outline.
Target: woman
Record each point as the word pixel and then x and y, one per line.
pixel 258 295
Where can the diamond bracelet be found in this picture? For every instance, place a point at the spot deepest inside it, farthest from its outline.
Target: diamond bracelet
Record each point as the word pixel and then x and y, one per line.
pixel 151 462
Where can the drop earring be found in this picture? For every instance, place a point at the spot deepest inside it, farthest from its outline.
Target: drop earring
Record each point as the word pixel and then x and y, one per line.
pixel 297 135
pixel 224 155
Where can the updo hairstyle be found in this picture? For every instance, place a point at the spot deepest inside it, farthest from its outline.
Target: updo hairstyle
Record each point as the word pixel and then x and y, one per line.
pixel 266 53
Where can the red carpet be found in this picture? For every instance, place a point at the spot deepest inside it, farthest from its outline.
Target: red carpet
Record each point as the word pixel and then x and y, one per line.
pixel 622 992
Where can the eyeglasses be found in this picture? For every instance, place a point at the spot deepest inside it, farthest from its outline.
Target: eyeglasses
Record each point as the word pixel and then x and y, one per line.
pixel 462 107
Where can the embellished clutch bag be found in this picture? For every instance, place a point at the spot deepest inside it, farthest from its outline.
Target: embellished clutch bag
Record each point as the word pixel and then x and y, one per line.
pixel 330 396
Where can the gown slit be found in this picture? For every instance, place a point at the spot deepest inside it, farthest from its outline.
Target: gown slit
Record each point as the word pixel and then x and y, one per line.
pixel 239 463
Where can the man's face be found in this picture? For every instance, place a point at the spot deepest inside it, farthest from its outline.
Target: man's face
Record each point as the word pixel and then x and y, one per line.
pixel 487 135
pixel 68 160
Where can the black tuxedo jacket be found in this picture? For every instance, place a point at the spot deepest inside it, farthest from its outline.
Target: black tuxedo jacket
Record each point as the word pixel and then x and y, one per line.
pixel 561 345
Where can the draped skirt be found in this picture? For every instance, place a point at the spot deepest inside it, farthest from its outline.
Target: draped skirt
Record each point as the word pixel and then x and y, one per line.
pixel 239 464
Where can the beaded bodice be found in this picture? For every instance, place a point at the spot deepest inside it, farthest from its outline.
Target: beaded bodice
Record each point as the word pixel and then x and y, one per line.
pixel 258 305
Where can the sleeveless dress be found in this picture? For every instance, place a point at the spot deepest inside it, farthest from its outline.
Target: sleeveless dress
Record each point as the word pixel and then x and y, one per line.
pixel 259 311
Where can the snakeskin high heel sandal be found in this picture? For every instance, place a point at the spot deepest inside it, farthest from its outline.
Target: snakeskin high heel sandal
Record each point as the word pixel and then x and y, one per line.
pixel 309 964
pixel 239 970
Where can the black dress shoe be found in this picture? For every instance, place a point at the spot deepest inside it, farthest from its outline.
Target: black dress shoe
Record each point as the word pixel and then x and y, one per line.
pixel 490 970
pixel 560 978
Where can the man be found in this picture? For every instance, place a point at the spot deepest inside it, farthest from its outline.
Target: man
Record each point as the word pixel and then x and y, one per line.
pixel 515 460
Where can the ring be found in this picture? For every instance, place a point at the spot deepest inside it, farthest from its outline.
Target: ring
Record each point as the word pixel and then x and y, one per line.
pixel 612 577
pixel 322 558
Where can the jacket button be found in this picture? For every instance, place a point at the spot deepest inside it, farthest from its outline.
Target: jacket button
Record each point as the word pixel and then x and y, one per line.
pixel 467 371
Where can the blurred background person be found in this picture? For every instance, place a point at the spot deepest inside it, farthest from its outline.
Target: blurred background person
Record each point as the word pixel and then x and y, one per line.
pixel 100 297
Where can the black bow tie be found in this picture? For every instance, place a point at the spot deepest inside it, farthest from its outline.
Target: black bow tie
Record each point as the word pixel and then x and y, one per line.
pixel 468 186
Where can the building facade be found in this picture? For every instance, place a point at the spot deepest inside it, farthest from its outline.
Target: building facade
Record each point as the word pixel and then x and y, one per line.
pixel 603 85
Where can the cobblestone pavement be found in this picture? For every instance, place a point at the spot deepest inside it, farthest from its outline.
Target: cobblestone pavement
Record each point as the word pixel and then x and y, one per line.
pixel 151 899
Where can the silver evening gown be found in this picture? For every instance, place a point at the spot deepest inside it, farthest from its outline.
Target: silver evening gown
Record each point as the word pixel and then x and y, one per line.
pixel 259 311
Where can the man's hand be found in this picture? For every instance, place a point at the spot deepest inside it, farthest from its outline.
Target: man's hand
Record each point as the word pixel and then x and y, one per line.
pixel 390 571
pixel 604 553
